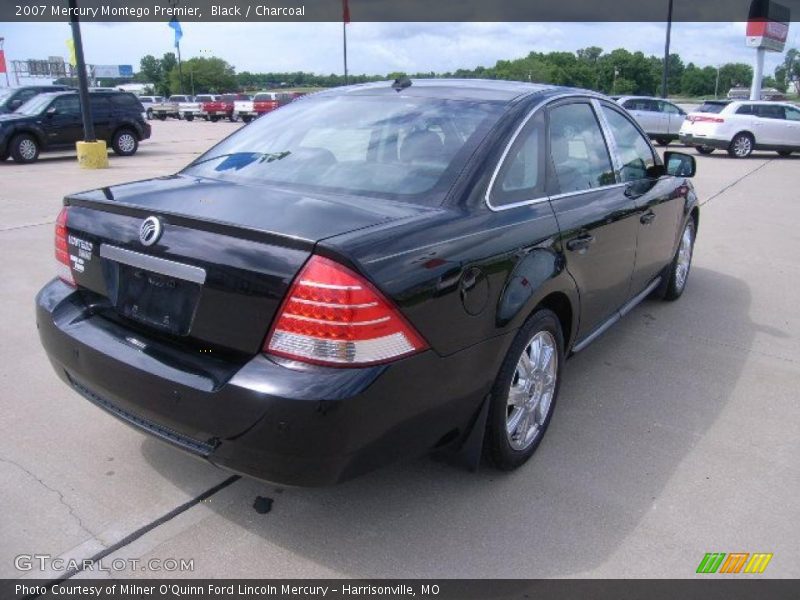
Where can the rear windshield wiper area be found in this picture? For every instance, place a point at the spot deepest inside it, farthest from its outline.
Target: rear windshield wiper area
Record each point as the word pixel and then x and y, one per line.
pixel 239 160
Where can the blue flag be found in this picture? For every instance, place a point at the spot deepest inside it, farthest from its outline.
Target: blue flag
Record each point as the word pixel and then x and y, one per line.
pixel 178 31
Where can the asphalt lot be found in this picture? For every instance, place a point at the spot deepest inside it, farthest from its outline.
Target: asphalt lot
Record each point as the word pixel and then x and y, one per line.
pixel 676 432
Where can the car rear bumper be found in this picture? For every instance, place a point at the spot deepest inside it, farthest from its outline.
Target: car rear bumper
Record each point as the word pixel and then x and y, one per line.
pixel 291 424
pixel 696 140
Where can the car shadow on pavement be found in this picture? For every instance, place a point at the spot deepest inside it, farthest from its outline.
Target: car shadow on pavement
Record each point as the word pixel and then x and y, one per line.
pixel 633 407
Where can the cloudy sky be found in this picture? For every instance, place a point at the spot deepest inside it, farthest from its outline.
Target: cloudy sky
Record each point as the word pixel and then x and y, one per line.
pixel 380 47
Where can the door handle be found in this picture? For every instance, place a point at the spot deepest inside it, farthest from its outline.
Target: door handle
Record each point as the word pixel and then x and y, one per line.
pixel 647 217
pixel 580 243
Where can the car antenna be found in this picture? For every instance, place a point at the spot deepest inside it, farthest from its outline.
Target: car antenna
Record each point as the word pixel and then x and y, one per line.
pixel 401 83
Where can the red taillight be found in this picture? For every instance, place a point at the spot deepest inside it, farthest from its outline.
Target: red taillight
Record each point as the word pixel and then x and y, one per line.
pixel 63 267
pixel 333 316
pixel 697 119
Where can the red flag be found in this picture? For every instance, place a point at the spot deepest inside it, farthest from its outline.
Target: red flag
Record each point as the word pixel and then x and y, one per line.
pixel 2 61
pixel 345 11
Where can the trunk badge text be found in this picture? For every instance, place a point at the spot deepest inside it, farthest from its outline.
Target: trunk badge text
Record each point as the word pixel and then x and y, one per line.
pixel 150 231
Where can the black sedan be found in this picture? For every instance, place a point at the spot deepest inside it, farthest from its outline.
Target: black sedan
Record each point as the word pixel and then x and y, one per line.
pixel 369 273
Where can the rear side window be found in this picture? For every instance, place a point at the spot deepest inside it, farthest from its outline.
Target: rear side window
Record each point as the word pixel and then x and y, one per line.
pixel 767 111
pixel 635 153
pixel 712 107
pixel 125 101
pixel 99 103
pixel 669 108
pixel 521 177
pixel 578 149
pixel 792 114
pixel 745 109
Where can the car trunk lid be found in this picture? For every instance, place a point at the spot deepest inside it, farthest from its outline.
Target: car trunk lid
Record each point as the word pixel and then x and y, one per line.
pixel 222 262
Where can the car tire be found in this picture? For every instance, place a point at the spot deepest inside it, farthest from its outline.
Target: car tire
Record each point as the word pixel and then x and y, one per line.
pixel 161 117
pixel 214 119
pixel 662 141
pixel 233 118
pixel 189 117
pixel 704 149
pixel 676 275
pixel 784 153
pixel 24 148
pixel 125 142
pixel 149 114
pixel 523 397
pixel 247 119
pixel 179 116
pixel 741 145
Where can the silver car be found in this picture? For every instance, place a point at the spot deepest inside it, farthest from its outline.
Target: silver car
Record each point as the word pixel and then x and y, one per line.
pixel 659 118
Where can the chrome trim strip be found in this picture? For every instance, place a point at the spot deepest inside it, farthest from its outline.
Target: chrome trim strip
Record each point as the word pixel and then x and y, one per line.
pixel 589 191
pixel 626 308
pixel 162 266
pixel 639 297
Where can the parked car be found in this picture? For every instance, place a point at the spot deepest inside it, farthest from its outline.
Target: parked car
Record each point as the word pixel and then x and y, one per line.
pixel 742 126
pixel 265 102
pixel 375 272
pixel 148 102
pixel 189 108
pixel 176 106
pixel 659 118
pixel 243 109
pixel 53 122
pixel 12 98
pixel 220 107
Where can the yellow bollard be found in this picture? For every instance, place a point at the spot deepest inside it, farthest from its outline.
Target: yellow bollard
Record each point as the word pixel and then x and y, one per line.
pixel 92 155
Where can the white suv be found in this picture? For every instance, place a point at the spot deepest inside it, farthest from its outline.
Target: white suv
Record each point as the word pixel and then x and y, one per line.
pixel 743 126
pixel 660 119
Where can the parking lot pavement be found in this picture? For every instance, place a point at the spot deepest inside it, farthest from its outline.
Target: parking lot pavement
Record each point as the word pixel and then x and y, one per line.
pixel 675 434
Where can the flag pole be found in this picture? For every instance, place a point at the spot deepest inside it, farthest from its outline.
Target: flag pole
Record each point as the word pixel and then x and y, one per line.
pixel 344 40
pixel 180 67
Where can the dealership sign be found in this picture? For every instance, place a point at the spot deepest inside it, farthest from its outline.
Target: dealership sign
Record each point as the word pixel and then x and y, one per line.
pixel 113 71
pixel 767 25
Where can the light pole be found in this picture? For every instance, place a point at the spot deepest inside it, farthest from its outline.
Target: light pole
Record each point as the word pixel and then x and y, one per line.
pixel 716 85
pixel 665 72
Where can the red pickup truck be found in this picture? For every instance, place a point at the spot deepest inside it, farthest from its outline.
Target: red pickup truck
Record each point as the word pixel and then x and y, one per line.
pixel 221 107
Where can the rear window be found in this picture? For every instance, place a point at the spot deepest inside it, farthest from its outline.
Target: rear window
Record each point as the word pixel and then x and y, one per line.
pixel 263 98
pixel 228 98
pixel 712 107
pixel 126 101
pixel 386 145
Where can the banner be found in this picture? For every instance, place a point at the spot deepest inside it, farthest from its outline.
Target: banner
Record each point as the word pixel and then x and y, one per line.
pixel 3 61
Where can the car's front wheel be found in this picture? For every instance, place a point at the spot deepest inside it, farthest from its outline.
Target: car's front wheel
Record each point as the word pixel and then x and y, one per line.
pixel 677 273
pixel 704 149
pixel 214 119
pixel 741 145
pixel 149 114
pixel 525 392
pixel 125 143
pixel 189 117
pixel 662 141
pixel 24 148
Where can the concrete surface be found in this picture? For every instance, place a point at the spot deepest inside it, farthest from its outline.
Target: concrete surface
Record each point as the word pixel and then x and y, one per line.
pixel 675 434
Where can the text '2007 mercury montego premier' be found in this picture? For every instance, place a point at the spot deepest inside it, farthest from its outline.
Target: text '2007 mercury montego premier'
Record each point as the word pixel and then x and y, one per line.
pixel 369 273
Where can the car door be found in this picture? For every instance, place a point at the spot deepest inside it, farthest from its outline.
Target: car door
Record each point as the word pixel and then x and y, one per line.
pixel 792 125
pixel 62 122
pixel 675 117
pixel 597 222
pixel 659 209
pixel 770 124
pixel 101 115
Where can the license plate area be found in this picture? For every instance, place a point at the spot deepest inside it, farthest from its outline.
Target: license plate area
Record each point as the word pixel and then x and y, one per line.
pixel 163 302
pixel 155 292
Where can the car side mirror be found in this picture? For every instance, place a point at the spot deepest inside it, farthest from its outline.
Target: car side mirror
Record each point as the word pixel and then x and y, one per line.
pixel 679 164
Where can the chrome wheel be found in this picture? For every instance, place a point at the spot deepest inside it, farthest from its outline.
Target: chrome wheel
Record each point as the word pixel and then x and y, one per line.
pixel 742 146
pixel 27 149
pixel 684 257
pixel 126 142
pixel 532 389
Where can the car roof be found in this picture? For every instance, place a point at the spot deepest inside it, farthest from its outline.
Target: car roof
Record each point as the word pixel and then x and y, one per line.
pixel 457 89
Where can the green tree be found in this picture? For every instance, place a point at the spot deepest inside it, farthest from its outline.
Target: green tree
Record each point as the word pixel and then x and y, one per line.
pixel 210 75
